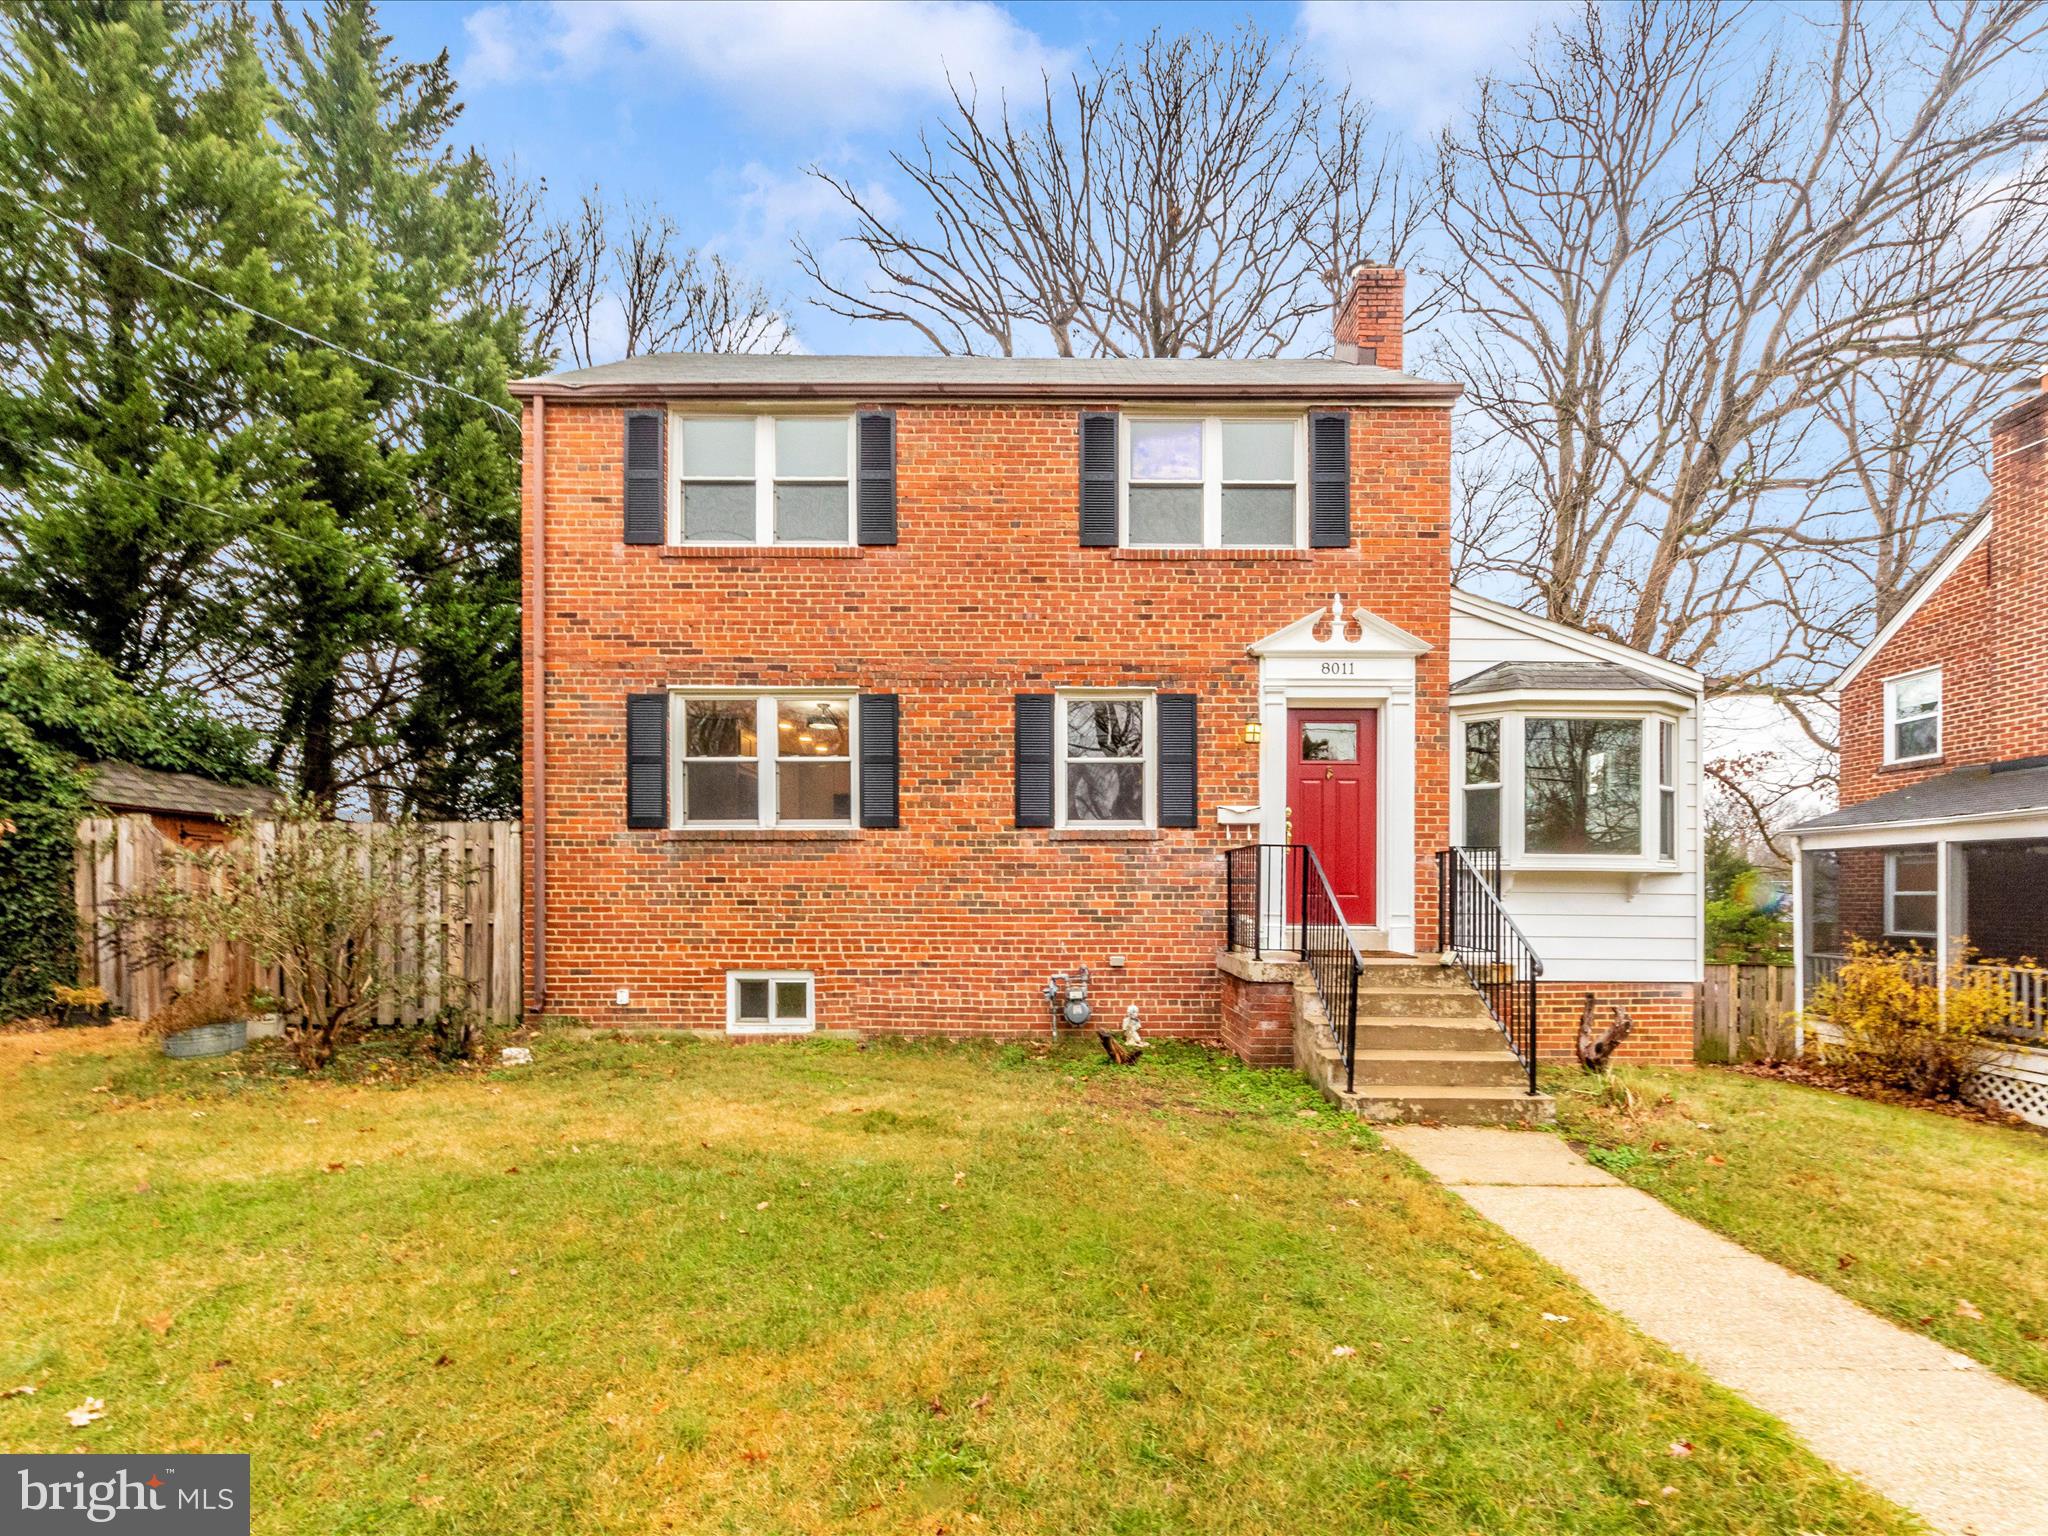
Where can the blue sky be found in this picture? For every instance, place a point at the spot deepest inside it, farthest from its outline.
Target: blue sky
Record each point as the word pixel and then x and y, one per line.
pixel 713 110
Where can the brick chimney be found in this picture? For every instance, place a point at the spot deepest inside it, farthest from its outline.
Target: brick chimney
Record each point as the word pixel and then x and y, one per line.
pixel 1375 311
pixel 2019 574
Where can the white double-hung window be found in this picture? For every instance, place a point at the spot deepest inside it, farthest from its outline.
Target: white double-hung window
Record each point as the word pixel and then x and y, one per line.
pixel 1106 761
pixel 1213 482
pixel 761 480
pixel 763 760
pixel 1912 716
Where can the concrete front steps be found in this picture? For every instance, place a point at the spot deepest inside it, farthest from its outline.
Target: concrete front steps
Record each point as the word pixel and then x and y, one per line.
pixel 1428 1051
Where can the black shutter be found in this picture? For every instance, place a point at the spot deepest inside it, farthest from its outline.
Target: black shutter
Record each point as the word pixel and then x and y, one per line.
pixel 878 760
pixel 875 513
pixel 1098 479
pixel 646 759
pixel 1034 759
pixel 1329 480
pixel 1177 808
pixel 646 506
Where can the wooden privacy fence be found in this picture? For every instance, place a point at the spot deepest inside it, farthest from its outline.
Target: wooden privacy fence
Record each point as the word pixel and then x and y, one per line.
pixel 1745 1014
pixel 479 942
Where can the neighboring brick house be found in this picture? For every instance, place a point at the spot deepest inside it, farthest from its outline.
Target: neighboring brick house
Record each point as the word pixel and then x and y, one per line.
pixel 866 693
pixel 1941 840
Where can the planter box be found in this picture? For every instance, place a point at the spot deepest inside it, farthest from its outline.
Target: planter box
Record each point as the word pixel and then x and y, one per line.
pixel 208 1039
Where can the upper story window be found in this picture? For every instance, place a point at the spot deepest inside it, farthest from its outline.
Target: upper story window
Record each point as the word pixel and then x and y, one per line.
pixel 764 760
pixel 1912 716
pixel 1106 762
pixel 1571 789
pixel 761 480
pixel 1213 482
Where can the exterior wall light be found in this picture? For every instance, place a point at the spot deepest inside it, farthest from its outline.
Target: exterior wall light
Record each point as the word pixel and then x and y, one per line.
pixel 1254 732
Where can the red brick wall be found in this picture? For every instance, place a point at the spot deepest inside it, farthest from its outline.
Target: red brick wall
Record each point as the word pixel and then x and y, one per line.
pixel 953 921
pixel 1986 626
pixel 1258 1021
pixel 1662 1011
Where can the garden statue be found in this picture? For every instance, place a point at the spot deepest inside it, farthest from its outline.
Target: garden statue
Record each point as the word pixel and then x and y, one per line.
pixel 1597 1047
pixel 1129 1046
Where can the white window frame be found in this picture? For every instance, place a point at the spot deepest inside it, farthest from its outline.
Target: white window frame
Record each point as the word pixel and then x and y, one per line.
pixel 1212 479
pixel 768 762
pixel 765 479
pixel 1514 793
pixel 1667 786
pixel 1498 784
pixel 771 1025
pixel 1892 718
pixel 1149 757
pixel 1892 892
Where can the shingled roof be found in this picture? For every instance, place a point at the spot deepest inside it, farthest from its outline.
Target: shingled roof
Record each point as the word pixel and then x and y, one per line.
pixel 807 376
pixel 2001 789
pixel 1557 677
pixel 127 787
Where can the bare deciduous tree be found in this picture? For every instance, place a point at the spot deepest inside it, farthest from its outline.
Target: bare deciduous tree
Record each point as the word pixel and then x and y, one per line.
pixel 1700 294
pixel 603 276
pixel 1196 196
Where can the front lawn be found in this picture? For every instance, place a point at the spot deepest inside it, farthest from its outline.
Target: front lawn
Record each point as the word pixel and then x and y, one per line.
pixel 1924 1219
pixel 814 1288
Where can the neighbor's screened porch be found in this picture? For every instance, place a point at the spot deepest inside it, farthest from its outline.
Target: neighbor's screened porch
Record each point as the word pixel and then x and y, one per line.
pixel 1980 902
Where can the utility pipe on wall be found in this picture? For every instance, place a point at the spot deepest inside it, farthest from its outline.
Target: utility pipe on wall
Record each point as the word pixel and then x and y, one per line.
pixel 537 821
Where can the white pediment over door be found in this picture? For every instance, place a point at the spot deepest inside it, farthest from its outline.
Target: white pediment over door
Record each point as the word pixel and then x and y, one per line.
pixel 1340 631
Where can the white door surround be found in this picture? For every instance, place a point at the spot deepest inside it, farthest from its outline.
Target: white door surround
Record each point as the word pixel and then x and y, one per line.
pixel 1339 656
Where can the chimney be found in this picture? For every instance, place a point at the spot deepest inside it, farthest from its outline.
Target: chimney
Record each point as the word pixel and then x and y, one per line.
pixel 1375 310
pixel 2019 576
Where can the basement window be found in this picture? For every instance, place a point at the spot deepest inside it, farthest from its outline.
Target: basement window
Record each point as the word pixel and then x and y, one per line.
pixel 769 1002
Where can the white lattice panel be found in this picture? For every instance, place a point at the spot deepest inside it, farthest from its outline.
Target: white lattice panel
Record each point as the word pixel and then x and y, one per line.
pixel 2019 1082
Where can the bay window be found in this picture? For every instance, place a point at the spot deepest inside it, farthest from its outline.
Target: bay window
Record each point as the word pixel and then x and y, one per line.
pixel 1211 482
pixel 759 760
pixel 1559 789
pixel 761 480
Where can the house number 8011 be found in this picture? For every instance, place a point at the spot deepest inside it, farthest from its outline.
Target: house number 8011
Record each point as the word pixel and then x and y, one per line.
pixel 1339 668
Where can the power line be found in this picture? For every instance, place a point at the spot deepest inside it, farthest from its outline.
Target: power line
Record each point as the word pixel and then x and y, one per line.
pixel 247 309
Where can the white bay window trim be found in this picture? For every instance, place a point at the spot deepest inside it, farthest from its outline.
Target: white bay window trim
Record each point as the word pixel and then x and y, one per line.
pixel 1148 756
pixel 1897 714
pixel 1213 480
pixel 765 477
pixel 768 757
pixel 1513 784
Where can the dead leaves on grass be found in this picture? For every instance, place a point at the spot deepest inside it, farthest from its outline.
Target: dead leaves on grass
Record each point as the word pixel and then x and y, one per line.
pixel 85 1413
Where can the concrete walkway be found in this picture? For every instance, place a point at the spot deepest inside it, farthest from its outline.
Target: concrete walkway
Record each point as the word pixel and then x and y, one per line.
pixel 1927 1428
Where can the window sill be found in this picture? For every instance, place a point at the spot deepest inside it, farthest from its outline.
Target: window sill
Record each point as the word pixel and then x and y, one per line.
pixel 759 834
pixel 1912 764
pixel 1105 834
pixel 762 551
pixel 1198 552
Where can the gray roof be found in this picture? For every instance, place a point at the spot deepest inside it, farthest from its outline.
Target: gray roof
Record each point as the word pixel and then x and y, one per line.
pixel 1985 790
pixel 1557 677
pixel 664 374
pixel 124 786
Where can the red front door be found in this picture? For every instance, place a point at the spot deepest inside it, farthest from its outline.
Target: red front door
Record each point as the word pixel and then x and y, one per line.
pixel 1333 798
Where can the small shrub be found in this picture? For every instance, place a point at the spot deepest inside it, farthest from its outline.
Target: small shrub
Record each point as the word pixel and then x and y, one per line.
pixel 1894 1031
pixel 458 1032
pixel 1614 1159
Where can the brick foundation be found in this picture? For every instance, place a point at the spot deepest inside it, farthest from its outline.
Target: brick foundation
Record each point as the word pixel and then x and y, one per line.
pixel 1663 1014
pixel 1258 1015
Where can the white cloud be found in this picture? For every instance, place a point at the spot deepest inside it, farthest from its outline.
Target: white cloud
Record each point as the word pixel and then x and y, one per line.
pixel 1419 59
pixel 842 64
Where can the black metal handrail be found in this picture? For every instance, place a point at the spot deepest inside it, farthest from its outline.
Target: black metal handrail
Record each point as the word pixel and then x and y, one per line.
pixel 1270 888
pixel 1476 934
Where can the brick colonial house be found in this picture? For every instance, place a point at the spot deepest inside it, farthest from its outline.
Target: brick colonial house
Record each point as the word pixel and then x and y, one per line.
pixel 1941 840
pixel 869 692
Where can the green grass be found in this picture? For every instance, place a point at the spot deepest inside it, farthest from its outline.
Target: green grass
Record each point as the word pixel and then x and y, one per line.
pixel 814 1288
pixel 1918 1216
